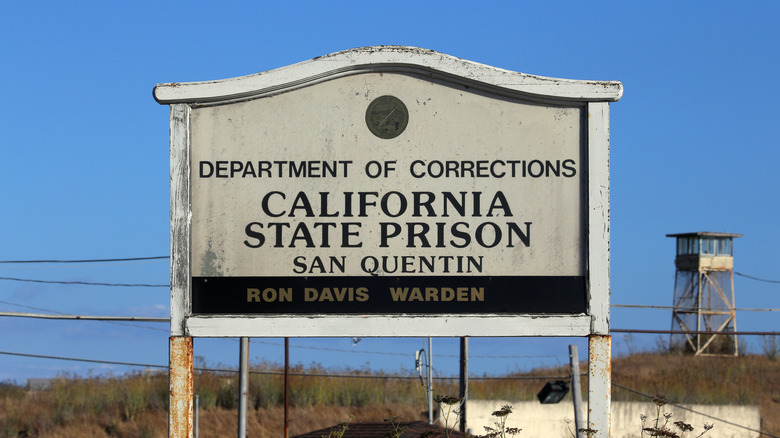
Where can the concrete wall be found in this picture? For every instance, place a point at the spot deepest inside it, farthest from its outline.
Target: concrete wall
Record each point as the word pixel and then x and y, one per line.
pixel 554 421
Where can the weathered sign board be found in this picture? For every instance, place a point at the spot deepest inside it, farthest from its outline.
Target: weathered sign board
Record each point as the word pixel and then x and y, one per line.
pixel 389 191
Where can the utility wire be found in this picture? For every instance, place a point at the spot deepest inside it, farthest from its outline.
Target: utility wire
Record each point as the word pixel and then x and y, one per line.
pixel 389 353
pixel 696 412
pixel 127 259
pixel 130 259
pixel 756 278
pixel 84 283
pixel 684 309
pixel 695 332
pixel 85 317
pixel 31 307
pixel 60 315
pixel 53 315
pixel 74 359
pixel 228 370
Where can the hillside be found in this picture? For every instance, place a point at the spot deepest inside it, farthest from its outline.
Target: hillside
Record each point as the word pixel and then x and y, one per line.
pixel 747 380
pixel 135 405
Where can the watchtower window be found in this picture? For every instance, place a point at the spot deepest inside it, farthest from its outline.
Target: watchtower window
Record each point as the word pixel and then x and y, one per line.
pixel 706 246
pixel 687 245
pixel 724 246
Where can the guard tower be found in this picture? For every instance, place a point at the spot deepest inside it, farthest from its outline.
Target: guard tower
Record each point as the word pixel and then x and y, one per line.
pixel 704 294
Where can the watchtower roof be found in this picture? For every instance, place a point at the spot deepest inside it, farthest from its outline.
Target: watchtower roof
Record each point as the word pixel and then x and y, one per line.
pixel 704 234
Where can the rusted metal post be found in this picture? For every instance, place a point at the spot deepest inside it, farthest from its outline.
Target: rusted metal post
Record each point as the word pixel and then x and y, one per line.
pixel 599 384
pixel 180 412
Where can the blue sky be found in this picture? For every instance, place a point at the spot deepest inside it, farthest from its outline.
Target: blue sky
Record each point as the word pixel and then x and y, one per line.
pixel 85 164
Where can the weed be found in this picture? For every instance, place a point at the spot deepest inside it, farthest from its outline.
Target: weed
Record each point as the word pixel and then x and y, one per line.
pixel 501 431
pixel 662 429
pixel 397 429
pixel 449 402
pixel 588 432
pixel 770 344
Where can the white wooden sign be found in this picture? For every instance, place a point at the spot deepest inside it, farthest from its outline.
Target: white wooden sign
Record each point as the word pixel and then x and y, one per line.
pixel 389 191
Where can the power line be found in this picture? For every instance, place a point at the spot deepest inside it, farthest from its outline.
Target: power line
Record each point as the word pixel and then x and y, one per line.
pixel 30 307
pixel 63 316
pixel 306 347
pixel 84 283
pixel 390 353
pixel 228 370
pixel 640 306
pixel 74 359
pixel 756 278
pixel 694 332
pixel 129 259
pixel 52 315
pixel 60 315
pixel 85 317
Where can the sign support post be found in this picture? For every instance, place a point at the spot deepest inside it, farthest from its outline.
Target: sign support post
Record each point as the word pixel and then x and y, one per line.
pixel 600 384
pixel 180 414
pixel 599 340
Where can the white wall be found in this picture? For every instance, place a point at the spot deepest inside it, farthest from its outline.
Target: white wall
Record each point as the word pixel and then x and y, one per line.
pixel 550 421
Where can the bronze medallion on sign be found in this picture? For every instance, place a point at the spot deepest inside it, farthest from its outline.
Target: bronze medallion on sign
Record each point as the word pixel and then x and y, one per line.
pixel 387 117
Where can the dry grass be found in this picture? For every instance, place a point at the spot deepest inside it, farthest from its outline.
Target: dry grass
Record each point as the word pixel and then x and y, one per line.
pixel 136 405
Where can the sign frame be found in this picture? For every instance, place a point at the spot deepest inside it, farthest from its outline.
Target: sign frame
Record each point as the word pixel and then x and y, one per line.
pixel 593 97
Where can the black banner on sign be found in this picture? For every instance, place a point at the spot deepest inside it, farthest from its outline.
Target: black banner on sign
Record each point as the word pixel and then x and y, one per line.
pixel 389 295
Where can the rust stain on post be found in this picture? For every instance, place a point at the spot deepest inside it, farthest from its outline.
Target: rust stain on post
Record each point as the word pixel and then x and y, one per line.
pixel 600 384
pixel 601 352
pixel 181 388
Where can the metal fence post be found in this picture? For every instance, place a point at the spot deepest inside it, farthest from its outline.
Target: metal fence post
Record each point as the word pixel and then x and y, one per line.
pixel 576 389
pixel 464 380
pixel 243 386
